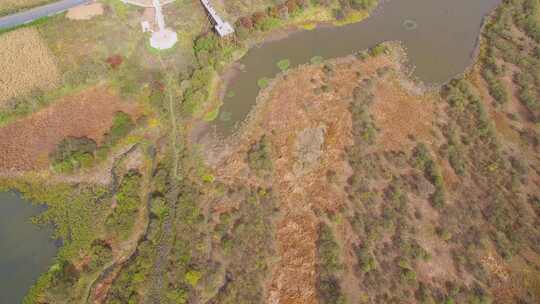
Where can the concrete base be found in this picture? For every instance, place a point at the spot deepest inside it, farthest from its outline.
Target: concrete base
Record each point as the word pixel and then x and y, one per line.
pixel 164 39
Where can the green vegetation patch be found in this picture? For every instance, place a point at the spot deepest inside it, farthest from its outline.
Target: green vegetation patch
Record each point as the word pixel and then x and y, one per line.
pixel 259 157
pixel 283 64
pixel 263 82
pixel 73 153
pixel 247 243
pixel 329 266
pixel 127 203
pixel 316 60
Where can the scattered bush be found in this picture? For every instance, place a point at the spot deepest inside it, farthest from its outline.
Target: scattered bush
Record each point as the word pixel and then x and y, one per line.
pixel 316 60
pixel 328 266
pixel 263 82
pixel 259 157
pixel 423 161
pixel 378 50
pixel 73 153
pixel 122 125
pixel 127 201
pixel 283 64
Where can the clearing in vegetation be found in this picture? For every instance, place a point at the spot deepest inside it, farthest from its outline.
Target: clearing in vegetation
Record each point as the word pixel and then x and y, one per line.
pixel 26 64
pixel 85 12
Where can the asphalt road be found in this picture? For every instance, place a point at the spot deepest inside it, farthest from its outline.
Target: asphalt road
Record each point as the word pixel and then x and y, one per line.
pixel 38 12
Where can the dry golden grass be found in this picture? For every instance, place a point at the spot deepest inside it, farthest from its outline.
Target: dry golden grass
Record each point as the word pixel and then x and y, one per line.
pixel 11 6
pixel 25 64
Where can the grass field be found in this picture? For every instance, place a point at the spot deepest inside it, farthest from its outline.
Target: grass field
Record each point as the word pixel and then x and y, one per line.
pixel 12 6
pixel 26 64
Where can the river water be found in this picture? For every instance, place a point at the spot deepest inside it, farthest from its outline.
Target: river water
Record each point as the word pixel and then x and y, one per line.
pixel 26 250
pixel 440 37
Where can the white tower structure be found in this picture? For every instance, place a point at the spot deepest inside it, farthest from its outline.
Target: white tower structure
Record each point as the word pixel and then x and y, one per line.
pixel 164 38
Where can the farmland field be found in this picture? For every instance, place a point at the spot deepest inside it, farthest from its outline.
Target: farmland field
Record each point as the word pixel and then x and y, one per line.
pixel 26 64
pixel 11 6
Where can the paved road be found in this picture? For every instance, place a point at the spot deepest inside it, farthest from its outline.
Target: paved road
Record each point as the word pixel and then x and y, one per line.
pixel 38 12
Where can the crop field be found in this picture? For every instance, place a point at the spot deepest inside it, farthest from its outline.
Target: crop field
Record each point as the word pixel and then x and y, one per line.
pixel 26 143
pixel 10 6
pixel 26 64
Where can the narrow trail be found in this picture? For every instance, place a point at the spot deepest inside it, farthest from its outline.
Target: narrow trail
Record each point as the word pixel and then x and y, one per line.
pixel 174 123
pixel 163 250
pixel 165 245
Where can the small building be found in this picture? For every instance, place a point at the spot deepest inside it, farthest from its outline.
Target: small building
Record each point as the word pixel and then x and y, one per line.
pixel 145 26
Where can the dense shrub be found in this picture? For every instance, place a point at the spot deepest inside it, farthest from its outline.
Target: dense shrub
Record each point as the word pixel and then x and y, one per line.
pixel 197 93
pixel 100 254
pixel 121 126
pixel 328 267
pixel 363 4
pixel 127 199
pixel 247 244
pixel 73 153
pixel 422 160
pixel 259 156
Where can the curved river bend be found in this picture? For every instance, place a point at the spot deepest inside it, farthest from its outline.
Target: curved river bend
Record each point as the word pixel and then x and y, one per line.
pixel 440 37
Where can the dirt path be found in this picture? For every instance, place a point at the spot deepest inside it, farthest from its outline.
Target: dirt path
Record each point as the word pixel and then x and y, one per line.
pixel 166 242
pixel 163 250
pixel 172 113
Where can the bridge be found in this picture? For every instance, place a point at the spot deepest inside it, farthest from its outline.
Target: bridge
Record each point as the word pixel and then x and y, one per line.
pixel 222 28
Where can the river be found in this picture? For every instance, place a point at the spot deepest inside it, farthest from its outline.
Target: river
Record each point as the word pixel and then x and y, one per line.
pixel 26 250
pixel 440 37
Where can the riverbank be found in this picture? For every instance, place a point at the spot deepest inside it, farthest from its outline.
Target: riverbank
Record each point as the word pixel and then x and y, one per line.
pixel 308 17
pixel 385 24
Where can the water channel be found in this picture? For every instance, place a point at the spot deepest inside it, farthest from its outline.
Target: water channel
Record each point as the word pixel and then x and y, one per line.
pixel 440 37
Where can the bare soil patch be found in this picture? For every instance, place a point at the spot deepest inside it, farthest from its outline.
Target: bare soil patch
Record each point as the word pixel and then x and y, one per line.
pixel 85 12
pixel 399 115
pixel 27 143
pixel 26 64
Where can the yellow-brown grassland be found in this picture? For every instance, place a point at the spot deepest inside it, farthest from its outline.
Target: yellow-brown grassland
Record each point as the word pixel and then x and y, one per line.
pixel 25 64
